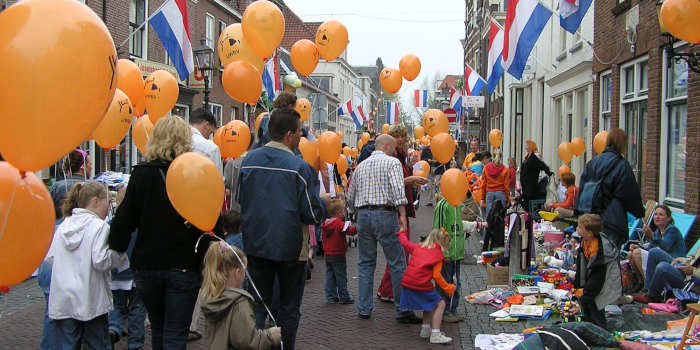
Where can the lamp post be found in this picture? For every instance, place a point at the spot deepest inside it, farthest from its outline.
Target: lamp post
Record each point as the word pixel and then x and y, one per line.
pixel 205 60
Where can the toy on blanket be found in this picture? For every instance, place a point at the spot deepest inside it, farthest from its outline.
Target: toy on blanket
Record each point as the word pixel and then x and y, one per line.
pixel 569 310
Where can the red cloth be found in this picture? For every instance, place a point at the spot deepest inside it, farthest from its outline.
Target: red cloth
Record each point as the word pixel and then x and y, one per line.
pixel 496 179
pixel 386 288
pixel 419 272
pixel 334 242
pixel 568 203
pixel 512 172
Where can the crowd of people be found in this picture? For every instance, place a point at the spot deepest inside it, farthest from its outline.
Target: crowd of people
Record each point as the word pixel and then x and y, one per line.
pixel 137 261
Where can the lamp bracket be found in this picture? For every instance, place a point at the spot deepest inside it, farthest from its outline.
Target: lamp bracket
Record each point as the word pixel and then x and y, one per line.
pixel 692 58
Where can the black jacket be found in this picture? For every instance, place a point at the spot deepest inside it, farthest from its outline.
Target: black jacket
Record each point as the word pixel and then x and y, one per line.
pixel 622 193
pixel 164 241
pixel 366 152
pixel 530 175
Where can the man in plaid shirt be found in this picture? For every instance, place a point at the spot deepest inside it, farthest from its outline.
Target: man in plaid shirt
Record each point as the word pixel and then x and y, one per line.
pixel 376 194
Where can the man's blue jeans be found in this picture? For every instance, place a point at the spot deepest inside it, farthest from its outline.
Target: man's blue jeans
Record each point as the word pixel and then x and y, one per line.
pixel 70 334
pixel 169 296
pixel 379 226
pixel 128 306
pixel 663 275
pixel 44 281
pixel 337 282
pixel 450 271
pixel 656 256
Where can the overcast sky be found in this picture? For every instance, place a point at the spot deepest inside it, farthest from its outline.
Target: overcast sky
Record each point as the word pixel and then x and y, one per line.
pixel 390 29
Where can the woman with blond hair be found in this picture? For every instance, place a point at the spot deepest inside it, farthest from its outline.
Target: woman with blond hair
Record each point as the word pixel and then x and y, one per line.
pixel 530 174
pixel 166 266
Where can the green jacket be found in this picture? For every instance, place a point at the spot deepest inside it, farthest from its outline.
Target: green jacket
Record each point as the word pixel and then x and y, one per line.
pixel 449 217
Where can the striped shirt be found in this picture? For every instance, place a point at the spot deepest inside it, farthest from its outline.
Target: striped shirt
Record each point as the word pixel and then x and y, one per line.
pixel 377 181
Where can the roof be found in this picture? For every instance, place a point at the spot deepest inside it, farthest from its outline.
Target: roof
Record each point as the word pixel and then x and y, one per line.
pixel 370 71
pixel 313 26
pixel 450 81
pixel 295 29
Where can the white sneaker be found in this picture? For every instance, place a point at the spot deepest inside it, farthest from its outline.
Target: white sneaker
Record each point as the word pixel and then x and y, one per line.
pixel 439 338
pixel 425 332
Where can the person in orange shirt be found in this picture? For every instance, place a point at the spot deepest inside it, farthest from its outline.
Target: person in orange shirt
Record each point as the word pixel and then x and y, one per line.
pixel 496 183
pixel 566 207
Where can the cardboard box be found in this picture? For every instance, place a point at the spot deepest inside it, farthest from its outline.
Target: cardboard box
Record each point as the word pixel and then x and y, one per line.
pixel 496 275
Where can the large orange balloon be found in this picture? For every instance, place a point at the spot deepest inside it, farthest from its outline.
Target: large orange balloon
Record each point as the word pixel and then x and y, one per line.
pixel 331 39
pixel 58 69
pixel 27 220
pixel 365 138
pixel 578 146
pixel 329 147
pixel 495 138
pixel 141 132
pixel 347 151
pixel 235 139
pixel 421 168
pixel 161 94
pixel 304 55
pixel 565 152
pixel 217 136
pixel 234 47
pixel 303 107
pixel 442 147
pixel 385 128
pixel 258 119
pixel 354 152
pixel 453 185
pixel 409 66
pixel 563 170
pixel 263 27
pixel 418 132
pixel 116 122
pixel 342 164
pixel 390 79
pixel 309 151
pixel 435 122
pixel 195 189
pixel 599 141
pixel 360 144
pixel 130 81
pixel 680 18
pixel 242 82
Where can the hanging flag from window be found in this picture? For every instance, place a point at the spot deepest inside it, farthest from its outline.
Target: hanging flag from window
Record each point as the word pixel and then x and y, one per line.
pixel 525 20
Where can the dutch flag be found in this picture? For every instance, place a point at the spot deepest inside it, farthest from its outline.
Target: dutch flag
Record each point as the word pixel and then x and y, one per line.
pixel 347 110
pixel 495 62
pixel 474 82
pixel 456 104
pixel 525 20
pixel 271 83
pixel 392 112
pixel 171 23
pixel 420 98
pixel 571 13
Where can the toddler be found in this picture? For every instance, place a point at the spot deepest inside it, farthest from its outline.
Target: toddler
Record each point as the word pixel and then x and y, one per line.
pixel 335 246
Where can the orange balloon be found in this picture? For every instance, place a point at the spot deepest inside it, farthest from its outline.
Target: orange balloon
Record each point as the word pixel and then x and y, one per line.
pixel 565 152
pixel 563 170
pixel 360 144
pixel 217 137
pixel 340 134
pixel 233 46
pixel 425 140
pixel 385 128
pixel 495 138
pixel 390 79
pixel 347 151
pixel 161 94
pixel 421 167
pixel 435 122
pixel 309 151
pixel 303 107
pixel 116 122
pixel 258 119
pixel 130 81
pixel 329 147
pixel 331 39
pixel 365 138
pixel 453 185
pixel 578 146
pixel 235 139
pixel 443 147
pixel 680 18
pixel 141 132
pixel 242 81
pixel 418 132
pixel 263 27
pixel 58 77
pixel 599 141
pixel 304 55
pixel 409 65
pixel 354 152
pixel 28 220
pixel 342 164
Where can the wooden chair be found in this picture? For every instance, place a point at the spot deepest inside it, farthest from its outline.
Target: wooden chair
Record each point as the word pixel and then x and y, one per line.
pixel 691 340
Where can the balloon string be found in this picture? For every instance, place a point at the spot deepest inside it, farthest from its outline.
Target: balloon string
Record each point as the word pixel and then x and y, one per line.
pixel 9 208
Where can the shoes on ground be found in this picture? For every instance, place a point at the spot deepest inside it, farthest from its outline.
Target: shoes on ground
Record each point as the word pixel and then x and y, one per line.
pixel 347 301
pixel 439 338
pixel 425 332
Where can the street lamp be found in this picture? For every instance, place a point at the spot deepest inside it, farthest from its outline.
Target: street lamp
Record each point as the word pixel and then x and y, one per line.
pixel 205 61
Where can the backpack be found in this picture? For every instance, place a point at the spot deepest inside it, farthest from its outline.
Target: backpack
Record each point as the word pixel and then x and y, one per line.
pixel 593 190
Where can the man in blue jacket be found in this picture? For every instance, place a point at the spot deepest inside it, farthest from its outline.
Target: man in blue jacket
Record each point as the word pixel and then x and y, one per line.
pixel 278 193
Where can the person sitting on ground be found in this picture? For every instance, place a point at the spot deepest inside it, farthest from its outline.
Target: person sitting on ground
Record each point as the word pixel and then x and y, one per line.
pixel 675 274
pixel 227 308
pixel 565 208
pixel 417 289
pixel 597 270
pixel 335 245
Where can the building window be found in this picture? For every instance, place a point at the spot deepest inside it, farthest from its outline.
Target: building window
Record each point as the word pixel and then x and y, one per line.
pixel 182 111
pixel 209 33
pixel 677 83
pixel 562 41
pixel 676 103
pixel 234 113
pixel 605 101
pixel 216 110
pixel 634 111
pixel 629 81
pixel 222 27
pixel 643 74
pixel 137 15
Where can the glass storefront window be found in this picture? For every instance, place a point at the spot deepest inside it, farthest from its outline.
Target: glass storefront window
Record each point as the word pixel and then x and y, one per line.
pixel 677 151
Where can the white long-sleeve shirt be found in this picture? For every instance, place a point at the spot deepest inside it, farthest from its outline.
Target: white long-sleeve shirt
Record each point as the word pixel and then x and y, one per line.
pixel 207 148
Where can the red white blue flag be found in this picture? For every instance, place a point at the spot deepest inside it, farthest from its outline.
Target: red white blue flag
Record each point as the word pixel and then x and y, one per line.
pixel 171 23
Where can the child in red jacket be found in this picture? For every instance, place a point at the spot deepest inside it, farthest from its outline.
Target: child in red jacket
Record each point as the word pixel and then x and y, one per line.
pixel 335 246
pixel 418 291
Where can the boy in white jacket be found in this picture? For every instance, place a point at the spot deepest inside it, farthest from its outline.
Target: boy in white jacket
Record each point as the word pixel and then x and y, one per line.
pixel 80 295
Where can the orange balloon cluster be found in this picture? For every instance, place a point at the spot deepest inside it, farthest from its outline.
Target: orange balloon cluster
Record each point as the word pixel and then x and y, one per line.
pixel 115 123
pixel 233 46
pixel 390 79
pixel 304 55
pixel 599 141
pixel 331 39
pixel 442 147
pixel 453 185
pixel 365 138
pixel 354 152
pixel 130 81
pixel 347 151
pixel 263 27
pixel 409 65
pixel 496 138
pixel 309 151
pixel 435 122
pixel 329 147
pixel 342 164
pixel 234 139
pixel 161 93
pixel 242 82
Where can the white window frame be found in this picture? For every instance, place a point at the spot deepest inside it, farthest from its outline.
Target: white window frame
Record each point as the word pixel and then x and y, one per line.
pixel 233 113
pixel 144 37
pixel 637 95
pixel 218 116
pixel 209 31
pixel 601 119
pixel 187 111
pixel 222 27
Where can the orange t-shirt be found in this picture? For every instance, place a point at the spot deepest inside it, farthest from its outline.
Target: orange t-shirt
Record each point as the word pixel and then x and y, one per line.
pixel 568 203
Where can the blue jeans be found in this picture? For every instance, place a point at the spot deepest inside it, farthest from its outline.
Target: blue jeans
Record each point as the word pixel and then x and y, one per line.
pixel 169 296
pixel 656 256
pixel 450 271
pixel 71 334
pixel 379 226
pixel 319 246
pixel 128 306
pixel 491 198
pixel 44 281
pixel 291 276
pixel 664 274
pixel 337 282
